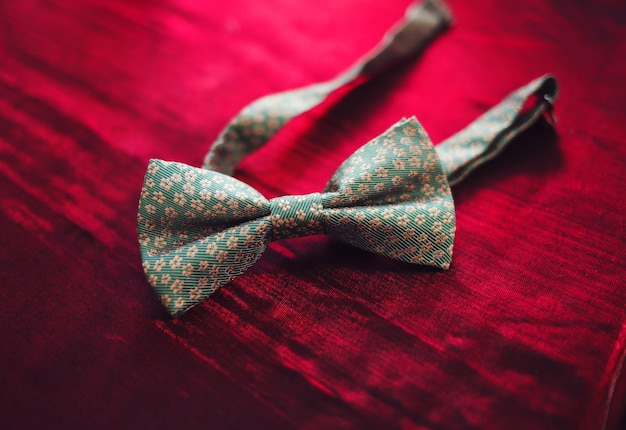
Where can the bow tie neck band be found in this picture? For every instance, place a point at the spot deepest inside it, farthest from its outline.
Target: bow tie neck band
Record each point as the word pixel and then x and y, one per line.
pixel 199 228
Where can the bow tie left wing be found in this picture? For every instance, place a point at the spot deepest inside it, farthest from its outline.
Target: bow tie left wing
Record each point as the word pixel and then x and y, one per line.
pixel 392 197
pixel 197 230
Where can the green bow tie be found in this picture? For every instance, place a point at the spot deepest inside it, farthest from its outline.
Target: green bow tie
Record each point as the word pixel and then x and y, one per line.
pixel 198 228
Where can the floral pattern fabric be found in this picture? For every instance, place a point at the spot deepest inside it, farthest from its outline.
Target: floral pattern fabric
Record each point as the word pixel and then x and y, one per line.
pixel 200 228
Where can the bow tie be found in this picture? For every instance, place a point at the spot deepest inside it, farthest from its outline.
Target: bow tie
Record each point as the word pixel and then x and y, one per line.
pixel 198 228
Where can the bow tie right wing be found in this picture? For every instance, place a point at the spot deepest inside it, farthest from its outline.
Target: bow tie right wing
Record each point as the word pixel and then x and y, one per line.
pixel 392 197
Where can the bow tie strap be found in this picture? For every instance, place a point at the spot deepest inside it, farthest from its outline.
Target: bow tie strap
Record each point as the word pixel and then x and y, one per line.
pixel 263 118
pixel 486 137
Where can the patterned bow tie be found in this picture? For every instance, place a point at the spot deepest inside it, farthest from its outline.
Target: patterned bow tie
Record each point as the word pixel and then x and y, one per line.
pixel 198 228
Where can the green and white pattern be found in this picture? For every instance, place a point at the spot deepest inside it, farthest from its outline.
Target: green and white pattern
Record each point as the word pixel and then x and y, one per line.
pixel 199 228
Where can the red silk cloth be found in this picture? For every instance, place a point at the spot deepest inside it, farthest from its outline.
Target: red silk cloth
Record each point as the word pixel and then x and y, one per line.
pixel 526 329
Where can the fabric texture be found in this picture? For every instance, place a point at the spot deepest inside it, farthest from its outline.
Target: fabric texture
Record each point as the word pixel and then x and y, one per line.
pixel 524 330
pixel 376 201
pixel 199 229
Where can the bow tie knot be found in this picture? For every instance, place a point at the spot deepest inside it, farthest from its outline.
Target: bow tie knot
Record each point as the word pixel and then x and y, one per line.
pixel 297 216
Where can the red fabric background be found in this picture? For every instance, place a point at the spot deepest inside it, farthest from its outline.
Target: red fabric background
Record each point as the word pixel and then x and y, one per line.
pixel 526 330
